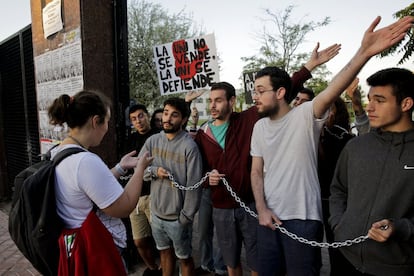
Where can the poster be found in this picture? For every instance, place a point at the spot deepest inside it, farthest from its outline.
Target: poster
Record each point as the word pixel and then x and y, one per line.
pixel 187 64
pixel 59 71
pixel 248 80
pixel 52 18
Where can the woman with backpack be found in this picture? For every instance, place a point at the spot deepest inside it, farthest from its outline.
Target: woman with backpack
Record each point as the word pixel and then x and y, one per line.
pixel 89 198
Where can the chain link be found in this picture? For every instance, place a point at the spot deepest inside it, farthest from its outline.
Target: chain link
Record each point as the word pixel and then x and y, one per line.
pixel 187 188
pixel 283 230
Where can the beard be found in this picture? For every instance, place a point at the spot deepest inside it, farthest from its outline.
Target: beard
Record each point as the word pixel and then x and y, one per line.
pixel 269 111
pixel 172 129
pixel 222 114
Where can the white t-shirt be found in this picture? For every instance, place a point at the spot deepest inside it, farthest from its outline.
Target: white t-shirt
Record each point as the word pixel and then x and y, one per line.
pixel 289 148
pixel 80 179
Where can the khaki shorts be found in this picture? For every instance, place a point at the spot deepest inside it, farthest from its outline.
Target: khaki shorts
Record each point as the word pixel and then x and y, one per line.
pixel 140 219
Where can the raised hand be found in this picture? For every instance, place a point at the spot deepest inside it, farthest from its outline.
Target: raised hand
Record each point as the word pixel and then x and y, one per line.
pixel 194 115
pixel 375 42
pixel 320 57
pixel 352 89
pixel 353 92
pixel 191 95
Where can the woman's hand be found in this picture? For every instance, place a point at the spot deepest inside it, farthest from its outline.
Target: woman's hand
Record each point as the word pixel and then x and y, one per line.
pixel 144 161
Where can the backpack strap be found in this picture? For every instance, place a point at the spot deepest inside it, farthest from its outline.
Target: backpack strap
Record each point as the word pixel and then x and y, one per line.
pixel 65 153
pixel 46 156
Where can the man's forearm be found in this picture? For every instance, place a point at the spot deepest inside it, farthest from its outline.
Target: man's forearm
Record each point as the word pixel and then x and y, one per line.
pixel 258 192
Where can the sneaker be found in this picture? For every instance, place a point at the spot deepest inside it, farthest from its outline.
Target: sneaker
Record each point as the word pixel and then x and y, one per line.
pixel 201 271
pixel 152 272
pixel 219 272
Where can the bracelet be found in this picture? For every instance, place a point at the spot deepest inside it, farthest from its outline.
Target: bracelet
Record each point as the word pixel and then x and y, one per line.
pixel 120 170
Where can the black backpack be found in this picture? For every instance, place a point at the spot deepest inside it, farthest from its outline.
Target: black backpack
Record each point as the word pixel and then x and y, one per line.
pixel 34 224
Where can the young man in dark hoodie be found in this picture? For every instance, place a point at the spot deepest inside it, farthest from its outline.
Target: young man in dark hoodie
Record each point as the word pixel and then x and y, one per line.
pixel 372 190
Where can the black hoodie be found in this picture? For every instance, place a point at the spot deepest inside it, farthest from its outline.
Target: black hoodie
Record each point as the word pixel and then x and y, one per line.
pixel 374 180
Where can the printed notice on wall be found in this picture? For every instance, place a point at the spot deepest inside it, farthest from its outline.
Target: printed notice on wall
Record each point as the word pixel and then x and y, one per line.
pixel 187 64
pixel 52 18
pixel 59 71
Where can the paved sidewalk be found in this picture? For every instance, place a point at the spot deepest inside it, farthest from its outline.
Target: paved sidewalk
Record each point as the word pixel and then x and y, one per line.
pixel 12 262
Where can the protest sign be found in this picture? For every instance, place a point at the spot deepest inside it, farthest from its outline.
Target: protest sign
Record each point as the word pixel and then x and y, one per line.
pixel 248 80
pixel 187 64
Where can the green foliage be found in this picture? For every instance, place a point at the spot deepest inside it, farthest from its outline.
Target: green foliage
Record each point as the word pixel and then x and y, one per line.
pixel 280 45
pixel 240 100
pixel 280 41
pixel 405 46
pixel 149 25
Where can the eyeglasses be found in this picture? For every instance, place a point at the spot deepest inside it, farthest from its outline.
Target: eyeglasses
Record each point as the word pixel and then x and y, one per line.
pixel 260 92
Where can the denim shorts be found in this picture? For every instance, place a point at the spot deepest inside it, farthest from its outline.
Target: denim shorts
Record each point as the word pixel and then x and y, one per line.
pixel 234 227
pixel 169 234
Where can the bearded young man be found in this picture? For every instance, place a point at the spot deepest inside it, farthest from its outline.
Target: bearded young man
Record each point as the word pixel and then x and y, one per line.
pixel 172 210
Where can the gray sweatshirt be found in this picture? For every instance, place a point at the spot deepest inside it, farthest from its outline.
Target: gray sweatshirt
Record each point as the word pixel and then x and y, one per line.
pixel 374 180
pixel 181 157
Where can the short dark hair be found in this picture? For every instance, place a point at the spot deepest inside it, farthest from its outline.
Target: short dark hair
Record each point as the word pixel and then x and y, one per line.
pixel 230 90
pixel 136 107
pixel 152 121
pixel 179 104
pixel 278 78
pixel 401 81
pixel 308 92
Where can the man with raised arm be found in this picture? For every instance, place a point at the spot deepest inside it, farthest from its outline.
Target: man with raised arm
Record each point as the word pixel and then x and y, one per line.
pixel 284 153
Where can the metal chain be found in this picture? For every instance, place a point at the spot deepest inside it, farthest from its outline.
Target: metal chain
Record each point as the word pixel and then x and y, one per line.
pixel 283 230
pixel 125 178
pixel 187 188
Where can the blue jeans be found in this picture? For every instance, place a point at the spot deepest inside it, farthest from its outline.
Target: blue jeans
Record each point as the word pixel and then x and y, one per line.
pixel 279 254
pixel 208 258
